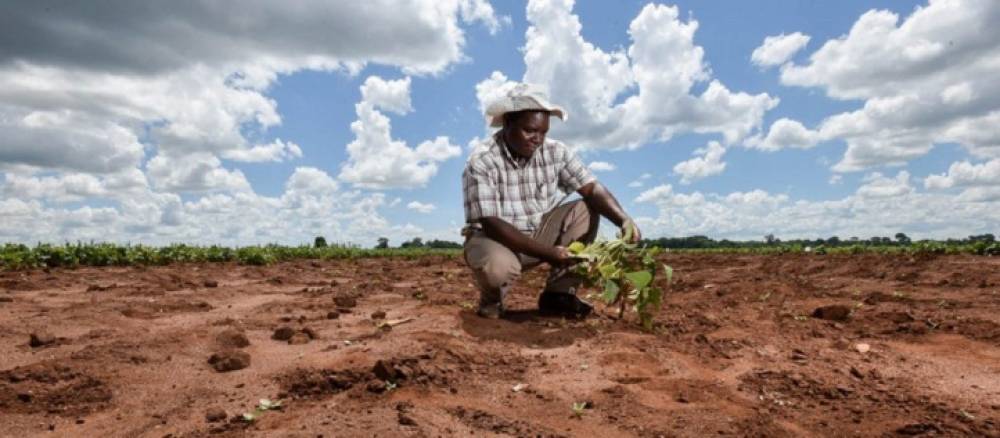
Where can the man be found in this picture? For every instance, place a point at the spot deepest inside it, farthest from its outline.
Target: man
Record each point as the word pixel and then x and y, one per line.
pixel 510 185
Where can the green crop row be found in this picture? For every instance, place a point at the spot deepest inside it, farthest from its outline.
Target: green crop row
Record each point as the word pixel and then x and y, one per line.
pixel 977 248
pixel 18 256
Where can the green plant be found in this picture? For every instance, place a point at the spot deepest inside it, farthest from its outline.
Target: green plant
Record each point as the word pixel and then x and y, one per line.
pixel 625 271
pixel 578 408
pixel 262 406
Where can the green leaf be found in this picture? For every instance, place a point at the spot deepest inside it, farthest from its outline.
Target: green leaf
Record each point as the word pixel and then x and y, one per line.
pixel 639 279
pixel 669 272
pixel 627 232
pixel 576 247
pixel 611 290
pixel 609 271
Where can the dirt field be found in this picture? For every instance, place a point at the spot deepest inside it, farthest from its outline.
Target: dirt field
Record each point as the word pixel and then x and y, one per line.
pixel 737 350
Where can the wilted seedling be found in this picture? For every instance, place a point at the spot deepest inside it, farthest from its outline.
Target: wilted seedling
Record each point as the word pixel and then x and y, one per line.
pixel 262 406
pixel 801 318
pixel 466 305
pixel 578 408
pixel 390 385
pixel 625 272
pixel 764 296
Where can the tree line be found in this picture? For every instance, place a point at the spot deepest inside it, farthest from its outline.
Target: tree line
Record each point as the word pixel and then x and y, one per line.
pixel 705 242
pixel 899 239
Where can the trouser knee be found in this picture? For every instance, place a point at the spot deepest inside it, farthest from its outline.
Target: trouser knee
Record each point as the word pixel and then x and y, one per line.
pixel 497 273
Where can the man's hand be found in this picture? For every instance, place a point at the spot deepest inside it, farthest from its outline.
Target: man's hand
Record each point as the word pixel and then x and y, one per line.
pixel 562 257
pixel 627 224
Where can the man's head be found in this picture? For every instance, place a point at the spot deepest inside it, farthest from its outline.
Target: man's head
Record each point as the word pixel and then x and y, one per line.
pixel 521 100
pixel 524 131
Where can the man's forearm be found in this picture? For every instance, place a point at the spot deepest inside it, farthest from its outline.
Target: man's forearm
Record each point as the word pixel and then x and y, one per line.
pixel 600 199
pixel 505 233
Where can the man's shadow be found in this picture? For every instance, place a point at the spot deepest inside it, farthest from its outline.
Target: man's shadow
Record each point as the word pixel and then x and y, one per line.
pixel 527 328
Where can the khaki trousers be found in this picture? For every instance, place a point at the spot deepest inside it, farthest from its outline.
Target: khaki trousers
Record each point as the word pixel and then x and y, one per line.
pixel 495 267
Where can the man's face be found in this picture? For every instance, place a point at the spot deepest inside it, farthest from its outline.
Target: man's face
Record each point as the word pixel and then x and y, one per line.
pixel 526 132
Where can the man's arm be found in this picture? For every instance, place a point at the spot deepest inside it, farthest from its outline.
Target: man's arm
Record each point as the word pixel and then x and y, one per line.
pixel 505 233
pixel 600 199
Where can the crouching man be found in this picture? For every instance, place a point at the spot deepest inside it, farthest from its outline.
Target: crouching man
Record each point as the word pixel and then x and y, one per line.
pixel 510 185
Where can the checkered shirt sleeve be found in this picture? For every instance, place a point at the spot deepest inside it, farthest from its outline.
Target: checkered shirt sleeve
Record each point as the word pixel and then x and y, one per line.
pixel 573 174
pixel 479 188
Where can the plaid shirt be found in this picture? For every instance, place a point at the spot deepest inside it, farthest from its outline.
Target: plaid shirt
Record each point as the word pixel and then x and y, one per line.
pixel 495 184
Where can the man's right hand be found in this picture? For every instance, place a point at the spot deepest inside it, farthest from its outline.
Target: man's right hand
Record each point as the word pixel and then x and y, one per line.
pixel 561 256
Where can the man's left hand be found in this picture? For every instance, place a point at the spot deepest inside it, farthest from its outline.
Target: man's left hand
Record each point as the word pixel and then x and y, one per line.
pixel 636 235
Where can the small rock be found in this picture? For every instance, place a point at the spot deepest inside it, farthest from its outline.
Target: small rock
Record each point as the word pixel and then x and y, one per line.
pixel 283 333
pixel 917 429
pixel 312 333
pixel 378 314
pixel 232 360
pixel 215 414
pixel 40 339
pixel 333 314
pixel 211 283
pixel 836 312
pixel 897 317
pixel 345 302
pixel 385 371
pixel 299 339
pixel 862 348
pixel 232 338
pixel 376 386
pixel 405 420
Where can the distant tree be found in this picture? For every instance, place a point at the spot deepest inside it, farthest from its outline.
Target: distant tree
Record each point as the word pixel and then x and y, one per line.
pixel 415 243
pixel 903 239
pixel 833 241
pixel 319 242
pixel 442 244
pixel 770 239
pixel 988 238
pixel 383 243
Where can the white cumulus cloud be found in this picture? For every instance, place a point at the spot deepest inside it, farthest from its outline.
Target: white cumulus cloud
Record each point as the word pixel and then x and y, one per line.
pixel 627 98
pixel 601 166
pixel 778 49
pixel 375 159
pixel 885 207
pixel 420 207
pixel 925 79
pixel 708 162
pixel 785 133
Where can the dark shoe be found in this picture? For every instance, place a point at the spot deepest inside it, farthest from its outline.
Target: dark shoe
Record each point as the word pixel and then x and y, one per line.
pixel 563 304
pixel 491 311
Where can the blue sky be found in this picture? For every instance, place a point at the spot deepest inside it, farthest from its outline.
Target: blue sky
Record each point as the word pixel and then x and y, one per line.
pixel 729 119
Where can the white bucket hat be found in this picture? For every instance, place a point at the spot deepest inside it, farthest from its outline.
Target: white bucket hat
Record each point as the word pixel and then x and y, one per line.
pixel 520 98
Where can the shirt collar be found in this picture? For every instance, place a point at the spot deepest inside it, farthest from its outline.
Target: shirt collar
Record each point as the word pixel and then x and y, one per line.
pixel 517 162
